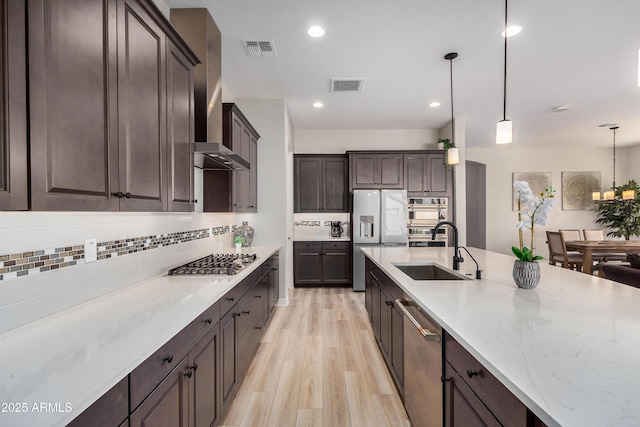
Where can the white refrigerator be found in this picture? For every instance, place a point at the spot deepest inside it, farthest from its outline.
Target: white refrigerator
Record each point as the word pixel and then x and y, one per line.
pixel 379 218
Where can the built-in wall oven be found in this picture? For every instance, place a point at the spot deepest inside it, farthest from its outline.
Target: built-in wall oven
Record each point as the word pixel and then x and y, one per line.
pixel 423 214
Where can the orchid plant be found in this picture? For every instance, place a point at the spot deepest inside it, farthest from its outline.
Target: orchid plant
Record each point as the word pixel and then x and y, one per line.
pixel 532 210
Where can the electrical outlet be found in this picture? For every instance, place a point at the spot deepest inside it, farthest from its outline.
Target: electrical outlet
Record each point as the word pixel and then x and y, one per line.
pixel 90 250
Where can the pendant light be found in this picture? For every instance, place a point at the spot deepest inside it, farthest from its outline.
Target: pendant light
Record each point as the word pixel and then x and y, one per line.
pixel 504 128
pixel 453 155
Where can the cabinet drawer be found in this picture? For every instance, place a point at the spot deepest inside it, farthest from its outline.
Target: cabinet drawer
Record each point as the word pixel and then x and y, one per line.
pixel 344 246
pixel 232 297
pixel 152 371
pixel 109 410
pixel 498 399
pixel 307 246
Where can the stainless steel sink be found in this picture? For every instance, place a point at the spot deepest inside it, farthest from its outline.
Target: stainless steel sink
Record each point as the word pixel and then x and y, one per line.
pixel 429 271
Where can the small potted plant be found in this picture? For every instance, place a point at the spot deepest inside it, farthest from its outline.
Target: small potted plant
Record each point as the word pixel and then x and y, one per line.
pixel 238 240
pixel 532 210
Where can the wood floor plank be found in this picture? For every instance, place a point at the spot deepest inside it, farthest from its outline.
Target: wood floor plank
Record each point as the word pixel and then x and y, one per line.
pixel 359 399
pixel 336 408
pixel 311 395
pixel 258 409
pixel 285 404
pixel 309 418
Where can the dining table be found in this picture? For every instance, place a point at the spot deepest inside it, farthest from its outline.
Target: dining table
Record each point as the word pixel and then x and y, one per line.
pixel 589 247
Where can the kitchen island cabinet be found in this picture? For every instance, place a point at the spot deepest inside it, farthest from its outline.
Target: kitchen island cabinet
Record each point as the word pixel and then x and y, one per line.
pixel 320 183
pixel 548 351
pixel 101 75
pixel 13 107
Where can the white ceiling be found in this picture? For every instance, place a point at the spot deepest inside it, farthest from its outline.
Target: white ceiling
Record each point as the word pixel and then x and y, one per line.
pixel 579 53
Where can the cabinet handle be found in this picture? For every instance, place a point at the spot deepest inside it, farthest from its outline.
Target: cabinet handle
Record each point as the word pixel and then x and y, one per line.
pixel 188 374
pixel 246 312
pixel 237 314
pixel 472 374
pixel 127 195
pixel 389 302
pixel 193 367
pixel 258 296
pixel 168 359
pixel 195 200
pixel 119 194
pixel 208 321
pixel 232 299
pixel 258 327
pixel 444 380
pixel 251 206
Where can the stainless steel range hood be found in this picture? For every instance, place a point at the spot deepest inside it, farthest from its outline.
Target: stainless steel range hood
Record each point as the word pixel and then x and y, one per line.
pixel 202 35
pixel 215 156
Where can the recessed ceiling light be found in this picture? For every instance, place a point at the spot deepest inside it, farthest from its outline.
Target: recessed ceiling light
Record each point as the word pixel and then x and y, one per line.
pixel 315 31
pixel 606 125
pixel 512 30
pixel 318 105
pixel 560 108
pixel 434 104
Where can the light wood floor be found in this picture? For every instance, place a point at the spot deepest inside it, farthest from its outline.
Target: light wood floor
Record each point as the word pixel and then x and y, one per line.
pixel 318 365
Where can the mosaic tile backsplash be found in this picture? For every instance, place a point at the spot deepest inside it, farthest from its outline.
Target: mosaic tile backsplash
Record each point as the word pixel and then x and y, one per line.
pixel 42 260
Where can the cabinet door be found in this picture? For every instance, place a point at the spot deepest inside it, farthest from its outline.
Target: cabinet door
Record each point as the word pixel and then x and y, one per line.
pixel 415 169
pixel 364 171
pixel 336 262
pixel 385 324
pixel 206 399
pixel 438 175
pixel 274 289
pixel 13 107
pixel 391 170
pixel 141 109
pixel 334 189
pixel 167 405
pixel 73 97
pixel 375 305
pixel 180 132
pixel 252 192
pixel 229 356
pixel 308 184
pixel 462 407
pixel 307 263
pixel 397 345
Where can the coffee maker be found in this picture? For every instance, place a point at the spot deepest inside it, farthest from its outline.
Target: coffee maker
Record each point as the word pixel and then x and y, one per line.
pixel 336 229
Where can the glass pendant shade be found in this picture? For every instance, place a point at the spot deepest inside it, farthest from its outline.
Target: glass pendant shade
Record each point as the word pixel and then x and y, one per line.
pixel 504 132
pixel 595 196
pixel 609 195
pixel 453 156
pixel 628 195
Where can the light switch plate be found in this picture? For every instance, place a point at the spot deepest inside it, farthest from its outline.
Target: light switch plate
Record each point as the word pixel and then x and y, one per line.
pixel 90 250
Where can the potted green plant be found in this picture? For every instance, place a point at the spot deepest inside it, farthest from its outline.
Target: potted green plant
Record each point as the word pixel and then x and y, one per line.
pixel 621 216
pixel 532 211
pixel 238 240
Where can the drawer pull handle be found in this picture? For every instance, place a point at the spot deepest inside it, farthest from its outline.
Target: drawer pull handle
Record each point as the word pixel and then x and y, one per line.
pixel 245 312
pixel 188 374
pixel 258 327
pixel 472 374
pixel 389 302
pixel 258 296
pixel 168 359
pixel 444 380
pixel 194 367
pixel 208 321
pixel 232 299
pixel 237 314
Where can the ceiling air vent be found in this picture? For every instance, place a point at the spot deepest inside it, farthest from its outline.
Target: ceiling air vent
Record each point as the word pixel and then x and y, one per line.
pixel 259 48
pixel 347 85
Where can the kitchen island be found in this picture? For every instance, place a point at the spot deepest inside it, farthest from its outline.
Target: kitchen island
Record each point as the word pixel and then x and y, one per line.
pixel 568 349
pixel 52 369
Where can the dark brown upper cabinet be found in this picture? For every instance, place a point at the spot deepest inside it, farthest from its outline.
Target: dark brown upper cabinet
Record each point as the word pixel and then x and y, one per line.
pixel 426 174
pixel 234 191
pixel 13 107
pixel 376 170
pixel 110 107
pixel 320 183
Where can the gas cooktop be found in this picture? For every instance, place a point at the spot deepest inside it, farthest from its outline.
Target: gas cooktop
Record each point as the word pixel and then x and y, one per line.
pixel 215 264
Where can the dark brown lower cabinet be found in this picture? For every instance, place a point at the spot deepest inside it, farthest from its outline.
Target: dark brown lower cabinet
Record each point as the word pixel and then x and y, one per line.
pixel 229 356
pixel 321 263
pixel 166 406
pixel 205 394
pixel 109 410
pixel 387 322
pixel 463 407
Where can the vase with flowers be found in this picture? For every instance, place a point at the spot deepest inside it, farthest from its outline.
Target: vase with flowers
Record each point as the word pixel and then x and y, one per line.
pixel 532 211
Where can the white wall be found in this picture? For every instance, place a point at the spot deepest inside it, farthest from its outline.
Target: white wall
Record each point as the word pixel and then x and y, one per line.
pixel 632 163
pixel 272 221
pixel 503 161
pixel 337 141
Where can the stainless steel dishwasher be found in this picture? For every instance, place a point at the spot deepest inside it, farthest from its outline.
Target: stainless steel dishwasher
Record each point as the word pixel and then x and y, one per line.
pixel 423 389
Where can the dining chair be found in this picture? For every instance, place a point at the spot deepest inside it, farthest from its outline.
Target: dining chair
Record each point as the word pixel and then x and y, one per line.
pixel 597 235
pixel 558 252
pixel 571 234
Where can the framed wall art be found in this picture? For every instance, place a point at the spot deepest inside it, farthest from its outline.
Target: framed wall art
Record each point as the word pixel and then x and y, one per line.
pixel 538 181
pixel 577 188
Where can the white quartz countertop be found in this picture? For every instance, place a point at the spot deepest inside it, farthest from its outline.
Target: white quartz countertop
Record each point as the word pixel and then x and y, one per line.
pixel 315 238
pixel 70 359
pixel 568 349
